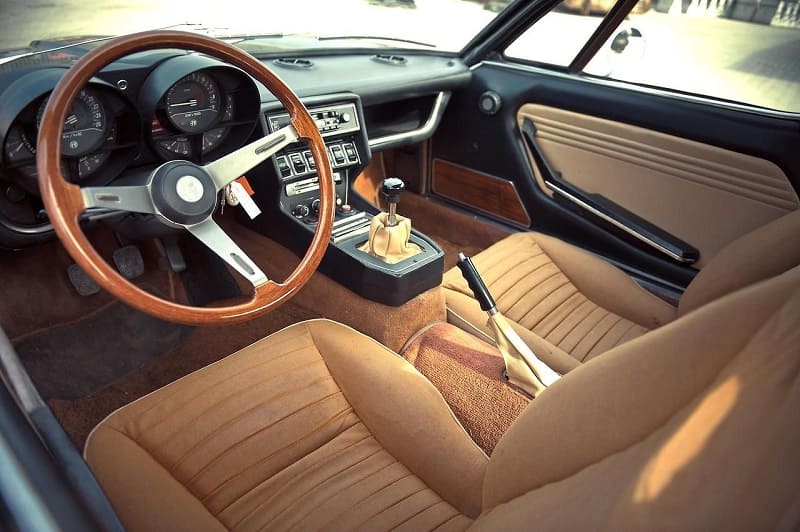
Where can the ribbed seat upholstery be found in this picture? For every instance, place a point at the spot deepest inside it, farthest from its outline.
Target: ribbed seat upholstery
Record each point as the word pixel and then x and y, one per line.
pixel 317 427
pixel 269 440
pixel 572 306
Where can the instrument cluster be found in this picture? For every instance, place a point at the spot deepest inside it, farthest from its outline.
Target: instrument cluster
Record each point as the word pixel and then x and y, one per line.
pixel 187 107
pixel 91 138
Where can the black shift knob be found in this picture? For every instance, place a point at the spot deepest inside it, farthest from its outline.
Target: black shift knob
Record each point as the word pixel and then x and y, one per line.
pixel 392 187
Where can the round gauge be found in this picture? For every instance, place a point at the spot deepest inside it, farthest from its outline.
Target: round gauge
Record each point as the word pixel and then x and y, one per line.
pixel 193 103
pixel 214 137
pixel 88 164
pixel 18 147
pixel 84 127
pixel 180 145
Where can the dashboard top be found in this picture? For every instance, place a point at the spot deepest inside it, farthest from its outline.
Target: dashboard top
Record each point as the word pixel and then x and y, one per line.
pixel 167 104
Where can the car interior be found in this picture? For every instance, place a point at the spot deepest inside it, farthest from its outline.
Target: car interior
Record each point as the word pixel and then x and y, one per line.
pixel 407 290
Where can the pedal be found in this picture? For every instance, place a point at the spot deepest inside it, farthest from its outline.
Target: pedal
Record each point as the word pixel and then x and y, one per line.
pixel 83 284
pixel 129 261
pixel 174 254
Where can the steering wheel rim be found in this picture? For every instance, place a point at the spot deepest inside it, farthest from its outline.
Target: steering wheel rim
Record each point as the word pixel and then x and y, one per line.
pixel 65 202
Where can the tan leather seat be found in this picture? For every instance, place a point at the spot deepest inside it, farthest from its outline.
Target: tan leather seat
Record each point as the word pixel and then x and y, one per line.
pixel 314 427
pixel 571 306
pixel 692 427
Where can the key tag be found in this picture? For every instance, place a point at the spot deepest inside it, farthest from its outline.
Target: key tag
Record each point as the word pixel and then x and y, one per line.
pixel 238 193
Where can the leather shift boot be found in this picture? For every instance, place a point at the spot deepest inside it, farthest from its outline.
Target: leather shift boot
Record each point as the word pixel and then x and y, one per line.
pixel 390 244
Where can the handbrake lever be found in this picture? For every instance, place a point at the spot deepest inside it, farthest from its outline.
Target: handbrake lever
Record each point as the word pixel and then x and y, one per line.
pixel 523 367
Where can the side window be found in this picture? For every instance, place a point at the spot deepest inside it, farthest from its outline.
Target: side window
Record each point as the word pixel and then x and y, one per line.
pixel 557 37
pixel 744 51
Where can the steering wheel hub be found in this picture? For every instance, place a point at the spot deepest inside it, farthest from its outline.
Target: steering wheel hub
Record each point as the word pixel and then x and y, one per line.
pixel 183 193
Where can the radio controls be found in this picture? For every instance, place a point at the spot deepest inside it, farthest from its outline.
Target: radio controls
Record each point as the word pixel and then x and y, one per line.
pixel 300 211
pixel 330 120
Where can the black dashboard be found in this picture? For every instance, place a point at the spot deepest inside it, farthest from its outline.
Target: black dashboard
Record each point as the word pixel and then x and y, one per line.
pixel 157 106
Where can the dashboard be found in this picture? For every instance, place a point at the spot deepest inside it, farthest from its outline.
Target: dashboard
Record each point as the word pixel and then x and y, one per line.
pixel 163 105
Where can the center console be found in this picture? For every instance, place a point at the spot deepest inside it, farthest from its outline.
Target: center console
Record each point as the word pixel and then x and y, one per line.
pixel 290 191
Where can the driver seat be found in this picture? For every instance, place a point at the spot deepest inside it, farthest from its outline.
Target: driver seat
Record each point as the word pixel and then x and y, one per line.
pixel 691 427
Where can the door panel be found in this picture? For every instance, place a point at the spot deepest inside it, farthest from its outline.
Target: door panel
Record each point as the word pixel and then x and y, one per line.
pixel 704 195
pixel 704 172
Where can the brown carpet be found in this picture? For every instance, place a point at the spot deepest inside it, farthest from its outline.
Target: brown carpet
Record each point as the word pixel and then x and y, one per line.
pixel 36 294
pixel 204 346
pixel 468 372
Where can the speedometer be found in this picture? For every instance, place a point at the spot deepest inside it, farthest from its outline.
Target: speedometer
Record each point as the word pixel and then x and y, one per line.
pixel 193 103
pixel 85 125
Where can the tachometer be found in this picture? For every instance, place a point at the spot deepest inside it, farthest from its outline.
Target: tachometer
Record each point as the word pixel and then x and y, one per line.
pixel 193 103
pixel 84 127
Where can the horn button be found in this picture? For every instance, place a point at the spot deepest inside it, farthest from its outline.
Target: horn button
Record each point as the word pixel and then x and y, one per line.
pixel 183 193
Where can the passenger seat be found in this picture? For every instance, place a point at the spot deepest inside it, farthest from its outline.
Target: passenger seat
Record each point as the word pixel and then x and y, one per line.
pixel 570 305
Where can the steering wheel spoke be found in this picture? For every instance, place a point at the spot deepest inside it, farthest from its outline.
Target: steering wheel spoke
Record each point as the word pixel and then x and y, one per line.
pixel 123 198
pixel 235 164
pixel 218 241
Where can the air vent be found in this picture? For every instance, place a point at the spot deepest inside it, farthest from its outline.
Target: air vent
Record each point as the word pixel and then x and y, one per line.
pixel 397 60
pixel 302 64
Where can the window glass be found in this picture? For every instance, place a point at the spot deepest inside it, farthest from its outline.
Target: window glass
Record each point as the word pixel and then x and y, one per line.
pixel 440 24
pixel 741 50
pixel 557 37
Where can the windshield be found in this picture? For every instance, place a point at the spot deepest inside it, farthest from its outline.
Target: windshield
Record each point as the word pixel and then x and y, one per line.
pixel 445 25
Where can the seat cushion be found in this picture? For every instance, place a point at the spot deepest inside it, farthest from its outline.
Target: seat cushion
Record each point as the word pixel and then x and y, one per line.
pixel 566 303
pixel 316 426
pixel 760 254
pixel 690 427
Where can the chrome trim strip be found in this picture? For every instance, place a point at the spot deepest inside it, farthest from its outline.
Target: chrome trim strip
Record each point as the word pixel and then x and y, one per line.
pixel 414 135
pixel 555 188
pixel 646 90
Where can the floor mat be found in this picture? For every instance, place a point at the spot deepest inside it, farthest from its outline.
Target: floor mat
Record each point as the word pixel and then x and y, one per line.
pixel 75 360
pixel 469 374
pixel 204 346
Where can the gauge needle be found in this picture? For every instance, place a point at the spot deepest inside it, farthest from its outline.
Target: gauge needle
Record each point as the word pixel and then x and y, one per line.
pixel 190 102
pixel 71 119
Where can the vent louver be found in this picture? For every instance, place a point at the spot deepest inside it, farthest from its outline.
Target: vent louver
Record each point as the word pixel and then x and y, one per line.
pixel 295 63
pixel 397 60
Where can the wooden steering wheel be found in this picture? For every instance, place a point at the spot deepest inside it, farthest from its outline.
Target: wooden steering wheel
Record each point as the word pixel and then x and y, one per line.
pixel 182 193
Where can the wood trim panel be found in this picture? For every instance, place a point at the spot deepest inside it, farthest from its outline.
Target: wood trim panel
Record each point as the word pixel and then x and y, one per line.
pixel 489 194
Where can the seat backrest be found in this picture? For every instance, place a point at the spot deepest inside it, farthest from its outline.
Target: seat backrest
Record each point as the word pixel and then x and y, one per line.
pixel 694 426
pixel 760 254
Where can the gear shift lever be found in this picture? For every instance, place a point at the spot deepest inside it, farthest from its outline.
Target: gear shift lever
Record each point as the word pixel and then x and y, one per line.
pixel 392 187
pixel 390 233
